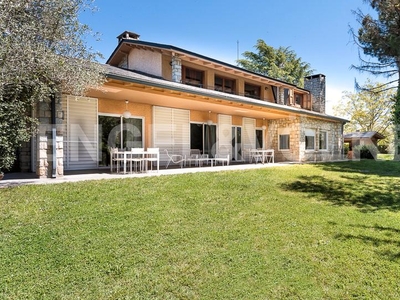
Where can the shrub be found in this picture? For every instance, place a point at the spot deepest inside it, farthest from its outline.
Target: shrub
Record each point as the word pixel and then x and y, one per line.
pixel 365 151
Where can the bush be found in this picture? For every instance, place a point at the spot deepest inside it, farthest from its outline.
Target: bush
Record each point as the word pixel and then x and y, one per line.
pixel 366 151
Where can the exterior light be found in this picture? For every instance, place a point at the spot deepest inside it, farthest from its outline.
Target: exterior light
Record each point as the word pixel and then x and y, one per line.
pixel 209 121
pixel 127 114
pixel 264 127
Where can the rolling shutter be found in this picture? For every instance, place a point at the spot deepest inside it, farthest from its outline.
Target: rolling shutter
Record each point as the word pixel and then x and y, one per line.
pixel 225 134
pixel 81 136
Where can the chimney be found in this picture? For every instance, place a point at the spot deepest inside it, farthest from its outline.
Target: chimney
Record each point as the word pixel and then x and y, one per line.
pixel 127 35
pixel 316 84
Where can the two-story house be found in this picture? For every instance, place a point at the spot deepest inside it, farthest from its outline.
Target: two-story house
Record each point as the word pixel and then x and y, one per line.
pixel 158 95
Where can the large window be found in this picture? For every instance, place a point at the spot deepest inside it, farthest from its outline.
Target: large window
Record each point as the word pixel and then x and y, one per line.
pixel 224 85
pixel 323 140
pixel 310 139
pixel 252 91
pixel 115 131
pixel 193 77
pixel 204 138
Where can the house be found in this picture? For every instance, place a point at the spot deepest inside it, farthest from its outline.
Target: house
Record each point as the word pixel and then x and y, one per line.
pixel 158 95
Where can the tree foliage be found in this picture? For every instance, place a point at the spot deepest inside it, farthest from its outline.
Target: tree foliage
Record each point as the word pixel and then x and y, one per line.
pixel 379 38
pixel 370 109
pixel 281 63
pixel 42 53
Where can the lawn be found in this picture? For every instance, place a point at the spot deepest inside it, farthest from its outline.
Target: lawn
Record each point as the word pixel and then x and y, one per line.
pixel 316 231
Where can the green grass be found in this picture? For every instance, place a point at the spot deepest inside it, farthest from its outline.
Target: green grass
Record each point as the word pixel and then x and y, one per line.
pixel 321 231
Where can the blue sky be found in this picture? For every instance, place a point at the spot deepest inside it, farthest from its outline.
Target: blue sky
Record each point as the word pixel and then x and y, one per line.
pixel 316 30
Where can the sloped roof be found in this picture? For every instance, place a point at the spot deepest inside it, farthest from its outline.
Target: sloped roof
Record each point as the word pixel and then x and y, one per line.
pixel 150 80
pixel 364 135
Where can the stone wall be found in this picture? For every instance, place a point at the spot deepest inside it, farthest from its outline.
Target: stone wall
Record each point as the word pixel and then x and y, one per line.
pixel 44 140
pixel 295 127
pixel 316 84
pixel 176 69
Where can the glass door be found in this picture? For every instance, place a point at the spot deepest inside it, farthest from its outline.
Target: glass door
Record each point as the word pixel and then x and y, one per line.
pixel 237 143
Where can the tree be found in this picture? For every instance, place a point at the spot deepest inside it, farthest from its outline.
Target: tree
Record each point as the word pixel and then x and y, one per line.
pixel 42 53
pixel 370 109
pixel 380 39
pixel 281 63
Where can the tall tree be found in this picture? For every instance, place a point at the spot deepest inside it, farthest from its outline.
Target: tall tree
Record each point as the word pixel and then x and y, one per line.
pixel 370 109
pixel 379 38
pixel 42 53
pixel 281 63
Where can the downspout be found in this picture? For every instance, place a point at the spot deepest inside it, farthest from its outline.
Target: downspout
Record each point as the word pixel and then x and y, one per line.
pixel 54 136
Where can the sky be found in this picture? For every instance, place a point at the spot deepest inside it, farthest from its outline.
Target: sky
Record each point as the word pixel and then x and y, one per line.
pixel 316 30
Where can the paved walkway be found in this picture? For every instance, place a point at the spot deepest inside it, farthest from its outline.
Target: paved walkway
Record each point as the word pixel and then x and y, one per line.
pixel 15 179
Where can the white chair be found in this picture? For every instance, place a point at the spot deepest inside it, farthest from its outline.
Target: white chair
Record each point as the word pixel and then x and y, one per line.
pixel 269 155
pixel 116 159
pixel 222 158
pixel 256 156
pixel 152 155
pixel 175 159
pixel 136 158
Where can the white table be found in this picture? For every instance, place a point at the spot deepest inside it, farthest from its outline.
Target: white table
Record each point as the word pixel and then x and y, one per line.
pixel 125 154
pixel 266 154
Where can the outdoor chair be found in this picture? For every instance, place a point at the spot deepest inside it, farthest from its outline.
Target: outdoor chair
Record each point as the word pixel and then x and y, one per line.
pixel 136 158
pixel 116 159
pixel 152 156
pixel 222 158
pixel 256 156
pixel 175 159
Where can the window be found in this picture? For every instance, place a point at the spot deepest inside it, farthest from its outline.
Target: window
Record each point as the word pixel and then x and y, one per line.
pixel 286 95
pixel 284 142
pixel 193 77
pixel 298 99
pixel 259 138
pixel 115 131
pixel 323 140
pixel 224 85
pixel 252 91
pixel 310 139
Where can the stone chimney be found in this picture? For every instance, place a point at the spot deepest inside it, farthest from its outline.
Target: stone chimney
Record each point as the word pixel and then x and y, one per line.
pixel 127 35
pixel 316 84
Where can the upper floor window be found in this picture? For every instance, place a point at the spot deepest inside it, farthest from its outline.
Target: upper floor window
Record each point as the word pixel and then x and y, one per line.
pixel 193 77
pixel 252 91
pixel 298 98
pixel 224 85
pixel 286 95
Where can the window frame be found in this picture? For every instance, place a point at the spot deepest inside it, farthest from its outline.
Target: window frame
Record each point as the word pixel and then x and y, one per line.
pixel 282 134
pixel 325 132
pixel 309 136
pixel 252 91
pixel 196 76
pixel 223 87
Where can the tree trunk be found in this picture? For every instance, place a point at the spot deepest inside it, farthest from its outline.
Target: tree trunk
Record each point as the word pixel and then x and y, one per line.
pixel 396 122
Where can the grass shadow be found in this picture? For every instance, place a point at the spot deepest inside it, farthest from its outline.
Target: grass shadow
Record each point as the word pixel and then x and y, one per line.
pixel 351 190
pixel 386 246
pixel 388 168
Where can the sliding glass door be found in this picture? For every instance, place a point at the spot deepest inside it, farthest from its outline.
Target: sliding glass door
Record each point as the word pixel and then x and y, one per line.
pixel 204 138
pixel 118 132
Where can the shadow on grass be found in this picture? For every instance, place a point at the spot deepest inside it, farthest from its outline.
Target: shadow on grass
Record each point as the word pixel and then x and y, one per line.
pixel 369 237
pixel 351 190
pixel 388 168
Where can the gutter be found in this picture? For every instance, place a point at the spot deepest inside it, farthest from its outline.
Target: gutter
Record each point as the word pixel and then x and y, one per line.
pixel 54 136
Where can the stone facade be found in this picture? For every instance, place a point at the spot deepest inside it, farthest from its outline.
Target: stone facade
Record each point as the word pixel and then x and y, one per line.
pixel 176 69
pixel 44 141
pixel 296 128
pixel 316 84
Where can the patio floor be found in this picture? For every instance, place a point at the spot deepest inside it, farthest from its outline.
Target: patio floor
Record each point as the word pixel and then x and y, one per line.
pixel 15 179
